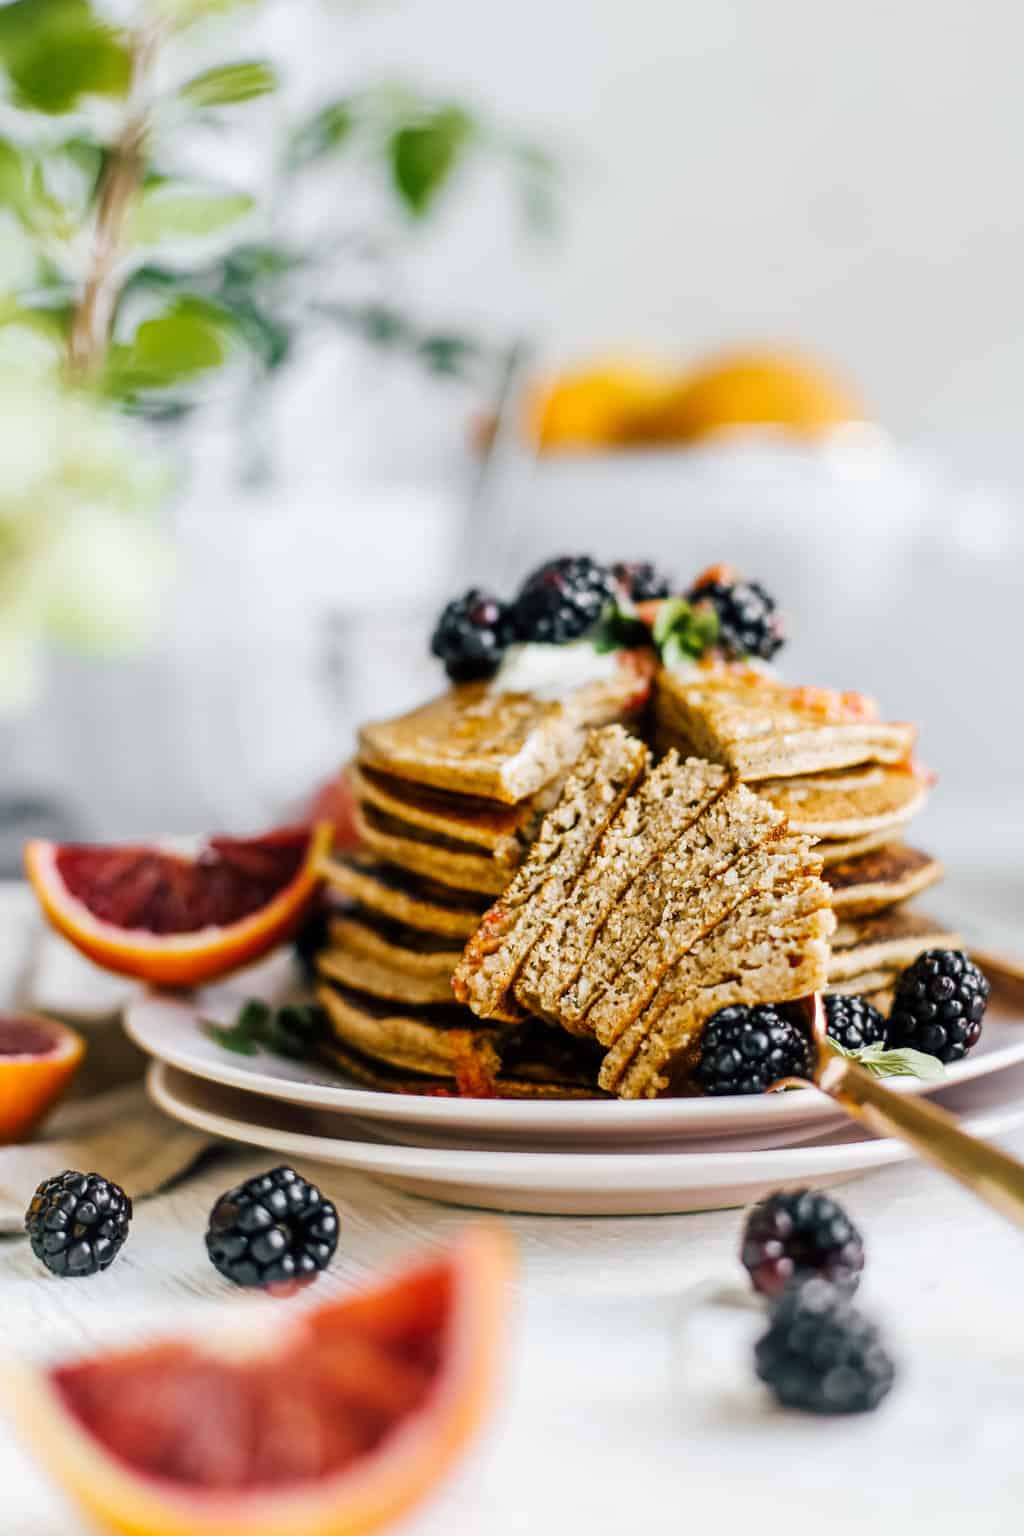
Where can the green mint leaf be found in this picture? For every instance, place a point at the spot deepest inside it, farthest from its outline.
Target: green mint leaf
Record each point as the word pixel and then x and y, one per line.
pixel 668 616
pixel 619 629
pixel 424 154
pixel 322 134
pixel 683 632
pixel 246 1033
pixel 881 1062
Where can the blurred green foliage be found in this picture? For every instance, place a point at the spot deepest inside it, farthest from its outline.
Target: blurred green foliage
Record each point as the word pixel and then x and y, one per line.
pixel 128 287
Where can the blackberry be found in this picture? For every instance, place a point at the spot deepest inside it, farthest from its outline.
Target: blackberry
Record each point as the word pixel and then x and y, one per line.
pixel 748 624
pixel 938 1005
pixel 641 581
pixel 77 1223
pixel 822 1355
pixel 854 1022
pixel 273 1228
pixel 745 1050
pixel 472 635
pixel 797 1234
pixel 563 600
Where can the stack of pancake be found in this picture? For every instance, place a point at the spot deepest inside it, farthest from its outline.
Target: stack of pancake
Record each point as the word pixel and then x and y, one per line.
pixel 652 898
pixel 447 800
pixel 840 775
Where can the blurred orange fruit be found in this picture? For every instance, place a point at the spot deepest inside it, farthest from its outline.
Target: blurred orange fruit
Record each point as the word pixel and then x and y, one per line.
pixel 757 389
pixel 333 1422
pixel 599 407
pixel 38 1058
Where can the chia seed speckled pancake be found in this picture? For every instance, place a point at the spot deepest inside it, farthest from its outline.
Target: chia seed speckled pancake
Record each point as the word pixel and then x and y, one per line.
pixel 886 941
pixel 847 802
pixel 404 898
pixel 500 746
pixel 880 879
pixel 870 984
pixel 447 865
pixel 459 819
pixel 762 728
pixel 838 850
pixel 438 1039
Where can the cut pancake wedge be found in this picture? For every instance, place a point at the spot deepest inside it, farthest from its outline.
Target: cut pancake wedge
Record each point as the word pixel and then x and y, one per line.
pixel 772 948
pixel 611 764
pixel 665 804
pixel 880 879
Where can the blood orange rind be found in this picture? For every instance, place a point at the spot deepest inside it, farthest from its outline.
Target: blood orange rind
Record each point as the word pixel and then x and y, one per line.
pixel 178 959
pixel 381 1485
pixel 38 1058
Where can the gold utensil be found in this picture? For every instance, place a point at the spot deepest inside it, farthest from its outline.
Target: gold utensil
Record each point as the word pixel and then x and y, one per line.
pixel 993 1175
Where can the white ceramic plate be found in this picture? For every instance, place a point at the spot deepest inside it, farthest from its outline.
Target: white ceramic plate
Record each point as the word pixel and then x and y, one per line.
pixel 172 1029
pixel 631 1181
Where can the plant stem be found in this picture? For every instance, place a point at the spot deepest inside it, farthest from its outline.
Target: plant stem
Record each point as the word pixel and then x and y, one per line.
pixel 118 185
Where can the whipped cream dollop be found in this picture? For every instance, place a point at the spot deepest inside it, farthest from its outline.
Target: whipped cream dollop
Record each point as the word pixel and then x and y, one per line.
pixel 553 671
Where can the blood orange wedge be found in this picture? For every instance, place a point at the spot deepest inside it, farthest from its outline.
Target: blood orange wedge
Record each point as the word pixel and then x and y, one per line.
pixel 178 916
pixel 331 1422
pixel 38 1058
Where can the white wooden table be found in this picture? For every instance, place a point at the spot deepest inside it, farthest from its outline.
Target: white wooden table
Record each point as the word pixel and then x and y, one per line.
pixel 614 1419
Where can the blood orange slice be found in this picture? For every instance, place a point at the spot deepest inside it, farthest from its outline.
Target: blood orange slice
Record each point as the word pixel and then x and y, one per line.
pixel 330 1423
pixel 173 915
pixel 38 1058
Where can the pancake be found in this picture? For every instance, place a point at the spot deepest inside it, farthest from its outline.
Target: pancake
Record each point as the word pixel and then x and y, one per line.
pixel 870 984
pixel 439 1040
pixel 408 950
pixel 446 865
pixel 838 850
pixel 762 728
pixel 461 819
pixel 847 802
pixel 527 1081
pixel 402 897
pixel 885 941
pixel 498 746
pixel 364 974
pixel 880 879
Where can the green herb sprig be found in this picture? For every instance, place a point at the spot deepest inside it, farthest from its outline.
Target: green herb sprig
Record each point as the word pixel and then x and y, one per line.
pixel 289 1031
pixel 881 1062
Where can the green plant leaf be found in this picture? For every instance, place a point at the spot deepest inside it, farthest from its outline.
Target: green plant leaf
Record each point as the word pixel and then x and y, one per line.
pixel 57 51
pixel 15 180
pixel 169 212
pixel 178 14
pixel 190 337
pixel 323 133
pixel 881 1062
pixel 620 629
pixel 245 1034
pixel 424 155
pixel 230 84
pixel 683 632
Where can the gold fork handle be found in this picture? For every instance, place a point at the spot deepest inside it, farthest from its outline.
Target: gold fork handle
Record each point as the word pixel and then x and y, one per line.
pixel 993 1175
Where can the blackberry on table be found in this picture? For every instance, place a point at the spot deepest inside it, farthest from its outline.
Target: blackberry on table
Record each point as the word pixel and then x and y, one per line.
pixel 748 624
pixel 563 599
pixel 472 635
pixel 822 1355
pixel 938 1005
pixel 641 581
pixel 274 1228
pixel 745 1050
pixel 77 1223
pixel 854 1022
pixel 796 1235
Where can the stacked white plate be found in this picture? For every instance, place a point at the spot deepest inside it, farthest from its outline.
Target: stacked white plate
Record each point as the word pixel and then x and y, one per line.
pixel 592 1157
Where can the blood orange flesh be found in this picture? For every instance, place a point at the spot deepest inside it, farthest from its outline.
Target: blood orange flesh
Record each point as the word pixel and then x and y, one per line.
pixel 328 1425
pixel 176 917
pixel 38 1058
